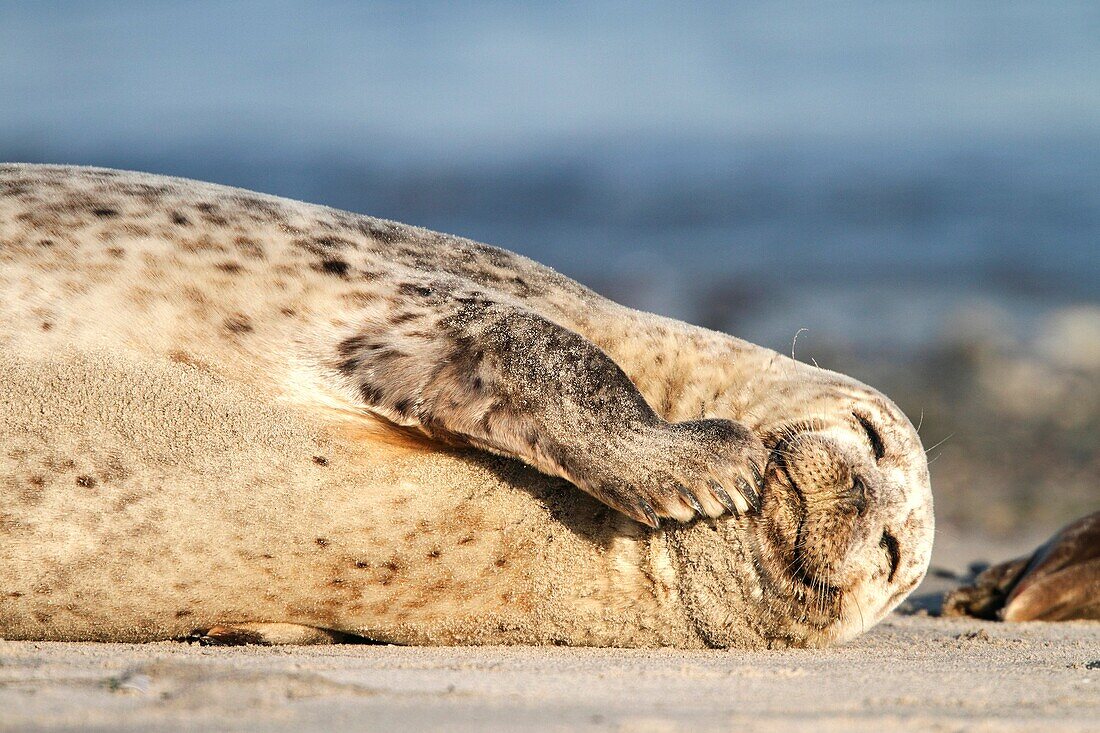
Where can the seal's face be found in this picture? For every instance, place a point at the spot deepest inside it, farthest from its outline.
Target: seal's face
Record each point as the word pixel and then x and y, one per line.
pixel 847 509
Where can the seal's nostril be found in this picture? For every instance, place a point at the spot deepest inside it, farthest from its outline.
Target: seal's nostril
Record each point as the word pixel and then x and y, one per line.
pixel 859 496
pixel 893 552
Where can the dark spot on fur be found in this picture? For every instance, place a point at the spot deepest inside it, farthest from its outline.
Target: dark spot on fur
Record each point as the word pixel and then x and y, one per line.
pixel 360 297
pixel 46 243
pixel 117 252
pixel 60 464
pixel 251 203
pixel 321 542
pixel 403 406
pixel 334 243
pixel 203 243
pixel 238 323
pixel 148 194
pixel 86 481
pixel 500 562
pixel 183 613
pixel 334 267
pixel 392 565
pixel 105 212
pixel 320 460
pixel 41 617
pixel 386 233
pixel 371 394
pixel 435 554
pixel 182 357
pixel 15 594
pixel 349 348
pixel 180 220
pixel 249 248
pixel 466 540
pixel 209 214
pixel 288 312
pixel 476 301
pixel 411 289
pixel 45 325
pixel 384 353
pixel 361 564
pixel 337 582
pixel 230 267
pixel 267 556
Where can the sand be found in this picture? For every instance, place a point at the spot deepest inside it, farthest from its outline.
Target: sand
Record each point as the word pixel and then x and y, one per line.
pixel 912 671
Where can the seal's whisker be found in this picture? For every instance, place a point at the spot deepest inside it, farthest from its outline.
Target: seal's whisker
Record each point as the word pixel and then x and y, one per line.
pixel 937 445
pixel 794 341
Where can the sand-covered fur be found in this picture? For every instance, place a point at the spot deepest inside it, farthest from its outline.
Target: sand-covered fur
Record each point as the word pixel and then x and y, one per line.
pixel 226 410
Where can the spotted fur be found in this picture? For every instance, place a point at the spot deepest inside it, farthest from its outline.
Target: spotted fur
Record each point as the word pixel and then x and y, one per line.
pixel 388 334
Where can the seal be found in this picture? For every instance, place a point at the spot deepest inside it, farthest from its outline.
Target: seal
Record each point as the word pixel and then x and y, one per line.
pixel 257 419
pixel 1060 581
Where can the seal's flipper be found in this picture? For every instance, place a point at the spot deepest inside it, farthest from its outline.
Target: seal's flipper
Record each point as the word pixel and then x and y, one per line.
pixel 264 634
pixel 467 365
pixel 985 596
pixel 1072 593
pixel 1060 581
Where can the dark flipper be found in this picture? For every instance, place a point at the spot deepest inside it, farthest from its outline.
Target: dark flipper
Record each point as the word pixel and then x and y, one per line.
pixel 985 597
pixel 467 366
pixel 1060 581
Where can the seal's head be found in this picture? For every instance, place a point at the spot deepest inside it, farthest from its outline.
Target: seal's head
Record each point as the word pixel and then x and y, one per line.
pixel 848 504
pixel 845 530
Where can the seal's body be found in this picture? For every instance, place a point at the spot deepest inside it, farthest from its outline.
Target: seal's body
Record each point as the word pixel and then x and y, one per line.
pixel 229 411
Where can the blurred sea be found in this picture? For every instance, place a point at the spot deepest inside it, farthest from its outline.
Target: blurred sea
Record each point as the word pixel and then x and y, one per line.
pixel 860 171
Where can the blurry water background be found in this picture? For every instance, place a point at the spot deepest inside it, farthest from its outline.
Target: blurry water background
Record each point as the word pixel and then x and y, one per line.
pixel 917 185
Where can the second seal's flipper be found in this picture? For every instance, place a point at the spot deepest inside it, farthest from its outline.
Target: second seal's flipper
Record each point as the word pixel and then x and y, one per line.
pixel 1072 593
pixel 1060 581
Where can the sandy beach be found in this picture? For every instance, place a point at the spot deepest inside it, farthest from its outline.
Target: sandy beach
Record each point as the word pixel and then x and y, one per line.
pixel 912 672
pixel 908 673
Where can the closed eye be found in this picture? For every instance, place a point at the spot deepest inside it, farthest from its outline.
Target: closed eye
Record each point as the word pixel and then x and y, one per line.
pixel 893 552
pixel 878 448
